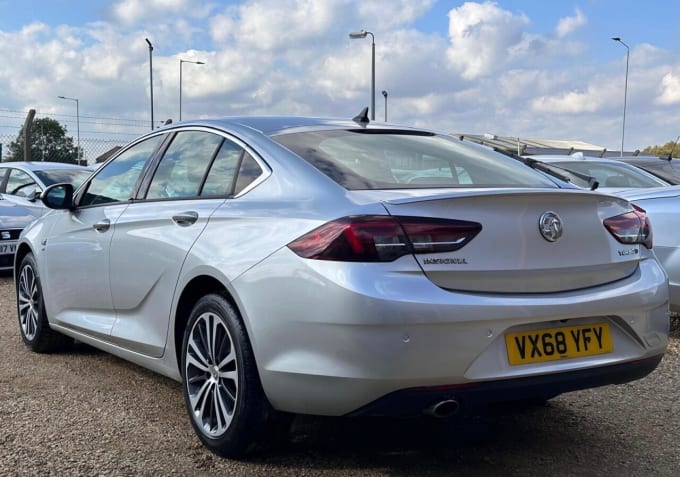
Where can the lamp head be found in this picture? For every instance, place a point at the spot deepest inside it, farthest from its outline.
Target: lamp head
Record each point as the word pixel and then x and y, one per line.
pixel 358 34
pixel 616 38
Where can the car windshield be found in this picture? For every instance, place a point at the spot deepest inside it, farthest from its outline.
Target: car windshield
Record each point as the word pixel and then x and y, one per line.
pixel 612 174
pixel 396 159
pixel 74 177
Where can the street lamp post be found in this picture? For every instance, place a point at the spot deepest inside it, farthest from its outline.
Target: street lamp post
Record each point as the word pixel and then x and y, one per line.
pixel 362 34
pixel 181 62
pixel 625 91
pixel 150 76
pixel 77 122
pixel 384 93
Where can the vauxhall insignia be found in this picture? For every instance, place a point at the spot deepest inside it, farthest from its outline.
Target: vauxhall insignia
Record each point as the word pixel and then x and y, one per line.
pixel 550 226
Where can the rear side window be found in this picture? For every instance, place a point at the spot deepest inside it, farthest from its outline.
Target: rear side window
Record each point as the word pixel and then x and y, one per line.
pixel 220 180
pixel 233 170
pixel 184 165
pixel 248 172
pixel 394 159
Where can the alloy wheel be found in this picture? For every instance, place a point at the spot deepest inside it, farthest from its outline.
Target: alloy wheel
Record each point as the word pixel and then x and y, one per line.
pixel 211 374
pixel 29 302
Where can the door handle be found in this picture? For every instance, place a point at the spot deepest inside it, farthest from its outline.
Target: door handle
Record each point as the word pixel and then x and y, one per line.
pixel 185 219
pixel 102 226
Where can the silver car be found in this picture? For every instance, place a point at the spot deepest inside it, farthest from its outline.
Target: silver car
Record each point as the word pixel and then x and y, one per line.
pixel 279 265
pixel 13 219
pixel 659 199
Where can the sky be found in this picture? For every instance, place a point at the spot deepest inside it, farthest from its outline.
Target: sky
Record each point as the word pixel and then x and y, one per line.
pixel 532 69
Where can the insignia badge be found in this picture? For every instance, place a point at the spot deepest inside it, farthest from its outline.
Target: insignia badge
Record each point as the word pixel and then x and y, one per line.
pixel 550 226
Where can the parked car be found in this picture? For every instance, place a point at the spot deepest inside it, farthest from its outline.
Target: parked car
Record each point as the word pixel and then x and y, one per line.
pixel 658 198
pixel 22 182
pixel 13 219
pixel 279 265
pixel 664 168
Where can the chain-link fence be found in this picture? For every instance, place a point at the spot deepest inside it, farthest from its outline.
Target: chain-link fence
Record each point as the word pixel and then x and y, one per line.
pixel 93 136
pixel 92 148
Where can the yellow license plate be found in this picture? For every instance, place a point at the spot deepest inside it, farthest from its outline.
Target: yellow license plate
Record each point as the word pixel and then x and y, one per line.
pixel 558 343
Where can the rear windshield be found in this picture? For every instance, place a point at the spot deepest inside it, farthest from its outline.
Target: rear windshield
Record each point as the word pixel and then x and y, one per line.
pixel 613 174
pixel 385 159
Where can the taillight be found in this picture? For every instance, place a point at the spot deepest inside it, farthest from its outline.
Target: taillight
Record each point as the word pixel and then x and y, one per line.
pixel 631 228
pixel 383 238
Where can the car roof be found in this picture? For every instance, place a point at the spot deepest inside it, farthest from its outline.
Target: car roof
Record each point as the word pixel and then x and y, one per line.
pixel 572 158
pixel 273 125
pixel 40 165
pixel 645 159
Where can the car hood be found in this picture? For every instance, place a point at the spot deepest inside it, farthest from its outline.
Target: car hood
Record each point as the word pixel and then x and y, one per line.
pixel 14 216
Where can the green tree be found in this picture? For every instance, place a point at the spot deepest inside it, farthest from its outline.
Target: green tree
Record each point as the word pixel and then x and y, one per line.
pixel 49 143
pixel 665 150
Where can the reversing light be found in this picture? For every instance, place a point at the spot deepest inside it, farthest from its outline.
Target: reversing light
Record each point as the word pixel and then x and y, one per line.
pixel 631 228
pixel 383 238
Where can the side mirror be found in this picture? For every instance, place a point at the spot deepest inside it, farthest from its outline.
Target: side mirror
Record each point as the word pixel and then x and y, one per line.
pixel 58 196
pixel 33 194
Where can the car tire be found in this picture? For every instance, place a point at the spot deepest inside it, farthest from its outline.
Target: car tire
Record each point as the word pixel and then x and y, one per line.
pixel 222 391
pixel 33 324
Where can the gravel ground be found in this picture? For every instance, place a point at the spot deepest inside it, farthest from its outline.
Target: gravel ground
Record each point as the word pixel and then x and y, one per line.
pixel 88 413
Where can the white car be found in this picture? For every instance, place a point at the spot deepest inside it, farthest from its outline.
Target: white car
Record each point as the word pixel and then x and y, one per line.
pixel 659 199
pixel 23 182
pixel 337 267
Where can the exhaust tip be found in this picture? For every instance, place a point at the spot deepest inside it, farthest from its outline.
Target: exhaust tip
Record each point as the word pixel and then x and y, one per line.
pixel 443 409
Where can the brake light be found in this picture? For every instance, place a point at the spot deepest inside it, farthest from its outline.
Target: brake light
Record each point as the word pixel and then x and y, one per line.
pixel 383 238
pixel 631 228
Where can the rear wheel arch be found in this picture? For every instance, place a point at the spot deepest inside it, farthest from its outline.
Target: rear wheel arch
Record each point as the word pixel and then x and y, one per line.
pixel 197 288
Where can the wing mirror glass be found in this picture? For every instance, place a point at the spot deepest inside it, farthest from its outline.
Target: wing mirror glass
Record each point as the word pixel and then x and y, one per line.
pixel 58 196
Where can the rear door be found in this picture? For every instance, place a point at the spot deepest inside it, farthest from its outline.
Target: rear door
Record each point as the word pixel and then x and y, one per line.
pixel 154 235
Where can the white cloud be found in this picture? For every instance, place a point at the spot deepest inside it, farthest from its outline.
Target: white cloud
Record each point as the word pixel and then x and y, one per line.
pixel 482 36
pixel 277 24
pixel 568 25
pixel 670 90
pixel 571 102
pixel 382 14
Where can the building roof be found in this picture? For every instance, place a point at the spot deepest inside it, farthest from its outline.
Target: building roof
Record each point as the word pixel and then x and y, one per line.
pixel 528 146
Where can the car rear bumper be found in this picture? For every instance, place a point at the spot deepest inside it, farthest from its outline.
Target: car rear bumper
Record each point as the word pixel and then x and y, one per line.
pixel 330 339
pixel 485 397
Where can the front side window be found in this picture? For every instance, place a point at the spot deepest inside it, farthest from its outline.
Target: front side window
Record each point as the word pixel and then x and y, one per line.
pixel 394 159
pixel 183 167
pixel 115 182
